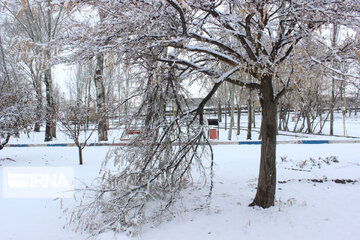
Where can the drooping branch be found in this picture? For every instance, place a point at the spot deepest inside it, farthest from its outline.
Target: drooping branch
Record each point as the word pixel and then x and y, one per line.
pixel 181 13
pixel 212 73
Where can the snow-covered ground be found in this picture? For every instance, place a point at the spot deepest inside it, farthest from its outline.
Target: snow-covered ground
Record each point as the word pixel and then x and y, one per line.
pixel 305 208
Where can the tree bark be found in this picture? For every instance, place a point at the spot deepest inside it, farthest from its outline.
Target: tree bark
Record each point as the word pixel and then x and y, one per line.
pixel 253 113
pixel 226 112
pixel 265 195
pixel 308 121
pixel 219 111
pixel 259 138
pixel 280 117
pixel 80 155
pixel 50 129
pixel 100 99
pixel 334 38
pixel 238 118
pixel 232 96
pixel 39 107
pixel 332 105
pixel 37 83
pixel 248 137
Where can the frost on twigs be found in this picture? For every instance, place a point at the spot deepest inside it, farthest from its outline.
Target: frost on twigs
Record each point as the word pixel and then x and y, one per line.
pixel 76 119
pixel 16 109
pixel 146 180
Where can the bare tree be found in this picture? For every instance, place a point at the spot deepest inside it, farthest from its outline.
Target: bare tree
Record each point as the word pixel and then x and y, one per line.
pixel 16 99
pixel 74 122
pixel 38 24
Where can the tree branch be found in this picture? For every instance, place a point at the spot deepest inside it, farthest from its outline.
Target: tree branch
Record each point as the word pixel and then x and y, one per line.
pixel 218 44
pixel 2 144
pixel 181 13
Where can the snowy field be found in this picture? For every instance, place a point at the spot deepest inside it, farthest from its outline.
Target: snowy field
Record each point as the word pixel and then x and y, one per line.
pixel 309 203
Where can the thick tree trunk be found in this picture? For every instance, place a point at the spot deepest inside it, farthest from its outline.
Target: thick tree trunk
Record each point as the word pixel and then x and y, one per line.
pixel 50 130
pixel 265 195
pixel 100 99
